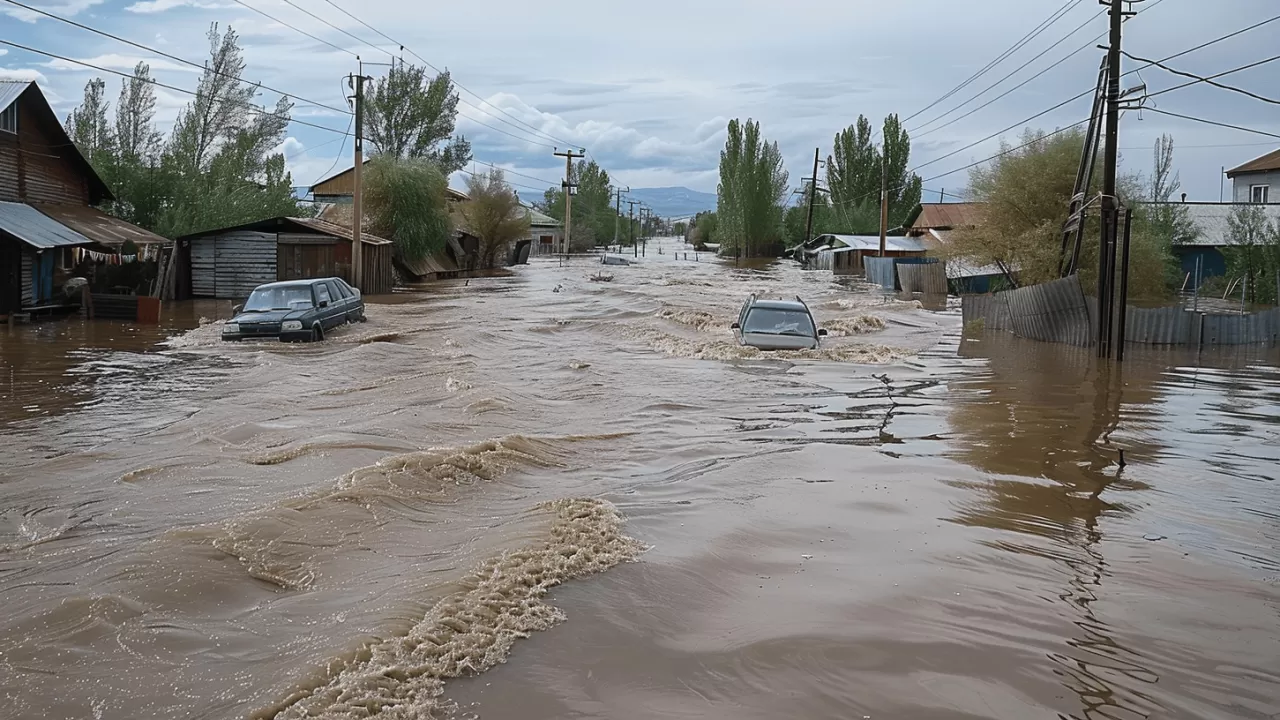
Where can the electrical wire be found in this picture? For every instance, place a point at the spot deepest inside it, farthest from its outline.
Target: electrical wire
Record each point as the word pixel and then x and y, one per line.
pixel 1044 25
pixel 294 28
pixel 252 109
pixel 1210 80
pixel 1212 122
pixel 169 56
pixel 336 158
pixel 460 86
pixel 1002 153
pixel 513 172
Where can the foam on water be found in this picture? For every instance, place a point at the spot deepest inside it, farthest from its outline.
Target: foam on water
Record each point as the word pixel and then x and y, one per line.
pixel 677 346
pixel 473 629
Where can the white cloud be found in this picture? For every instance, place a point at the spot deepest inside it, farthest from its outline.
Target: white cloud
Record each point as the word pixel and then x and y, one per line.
pixel 117 61
pixel 157 6
pixel 66 9
pixel 23 74
pixel 3 51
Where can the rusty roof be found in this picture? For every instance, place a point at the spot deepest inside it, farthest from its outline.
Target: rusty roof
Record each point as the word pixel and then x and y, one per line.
pixel 278 224
pixel 97 225
pixel 1266 163
pixel 945 216
pixel 336 230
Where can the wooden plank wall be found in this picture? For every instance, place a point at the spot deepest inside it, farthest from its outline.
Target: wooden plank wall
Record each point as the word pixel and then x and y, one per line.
pixel 31 170
pixel 230 265
pixel 299 256
pixel 28 266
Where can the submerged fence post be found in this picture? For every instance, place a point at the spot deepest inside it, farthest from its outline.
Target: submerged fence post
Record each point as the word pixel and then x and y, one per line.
pixel 1199 263
pixel 1244 287
pixel 1124 288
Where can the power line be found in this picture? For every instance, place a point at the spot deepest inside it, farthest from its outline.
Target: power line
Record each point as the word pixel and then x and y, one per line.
pixel 1212 122
pixel 292 4
pixel 513 172
pixel 1210 80
pixel 1044 25
pixel 294 28
pixel 526 126
pixel 253 109
pixel 1015 88
pixel 1002 153
pixel 337 157
pixel 163 54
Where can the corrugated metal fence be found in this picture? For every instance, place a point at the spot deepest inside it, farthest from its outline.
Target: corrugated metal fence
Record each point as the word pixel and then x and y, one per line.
pixel 1059 312
pixel 928 277
pixel 880 271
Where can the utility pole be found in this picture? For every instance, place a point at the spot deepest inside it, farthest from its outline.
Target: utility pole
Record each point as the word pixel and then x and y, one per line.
pixel 884 198
pixel 569 188
pixel 617 214
pixel 357 190
pixel 813 193
pixel 631 226
pixel 1110 202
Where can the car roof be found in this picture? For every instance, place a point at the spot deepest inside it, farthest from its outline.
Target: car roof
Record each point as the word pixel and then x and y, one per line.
pixel 288 283
pixel 780 305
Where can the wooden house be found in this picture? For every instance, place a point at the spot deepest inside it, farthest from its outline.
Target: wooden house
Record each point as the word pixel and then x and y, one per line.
pixel 228 263
pixel 47 189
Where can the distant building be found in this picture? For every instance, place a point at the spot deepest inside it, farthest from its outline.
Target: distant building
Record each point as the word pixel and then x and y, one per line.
pixel 1257 181
pixel 1212 235
pixel 546 232
pixel 338 189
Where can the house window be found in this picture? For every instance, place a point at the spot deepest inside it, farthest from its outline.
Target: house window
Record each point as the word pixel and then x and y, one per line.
pixel 9 118
pixel 1259 193
pixel 68 258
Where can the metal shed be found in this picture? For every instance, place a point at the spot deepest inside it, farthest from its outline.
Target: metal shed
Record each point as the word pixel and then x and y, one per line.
pixel 230 262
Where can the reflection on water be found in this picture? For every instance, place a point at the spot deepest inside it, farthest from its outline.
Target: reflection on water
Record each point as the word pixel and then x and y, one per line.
pixel 904 524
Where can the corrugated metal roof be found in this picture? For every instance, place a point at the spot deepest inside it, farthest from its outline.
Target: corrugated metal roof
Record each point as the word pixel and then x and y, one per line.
pixel 337 230
pixel 1211 220
pixel 872 242
pixel 436 263
pixel 1266 163
pixel 37 229
pixel 947 215
pixel 97 225
pixel 538 219
pixel 10 90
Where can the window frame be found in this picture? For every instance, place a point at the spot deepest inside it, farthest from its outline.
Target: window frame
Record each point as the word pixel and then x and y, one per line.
pixel 322 287
pixel 1266 193
pixel 11 113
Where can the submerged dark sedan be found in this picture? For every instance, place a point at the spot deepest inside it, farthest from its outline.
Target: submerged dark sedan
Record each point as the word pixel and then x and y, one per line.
pixel 296 310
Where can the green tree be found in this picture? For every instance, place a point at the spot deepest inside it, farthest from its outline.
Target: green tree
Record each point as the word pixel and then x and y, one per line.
pixel 91 132
pixel 1025 193
pixel 1253 256
pixel 410 116
pixel 704 229
pixel 594 215
pixel 138 146
pixel 494 214
pixel 856 169
pixel 751 193
pixel 405 201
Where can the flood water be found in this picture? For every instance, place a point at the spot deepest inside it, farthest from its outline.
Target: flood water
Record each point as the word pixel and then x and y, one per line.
pixel 544 496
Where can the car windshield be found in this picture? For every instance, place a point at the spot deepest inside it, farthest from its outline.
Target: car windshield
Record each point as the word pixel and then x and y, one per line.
pixel 281 297
pixel 773 321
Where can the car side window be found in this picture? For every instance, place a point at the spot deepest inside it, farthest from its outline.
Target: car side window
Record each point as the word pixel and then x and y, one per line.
pixel 335 289
pixel 322 293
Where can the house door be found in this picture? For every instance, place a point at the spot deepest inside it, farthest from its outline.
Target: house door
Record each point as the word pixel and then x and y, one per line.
pixel 42 278
pixel 10 277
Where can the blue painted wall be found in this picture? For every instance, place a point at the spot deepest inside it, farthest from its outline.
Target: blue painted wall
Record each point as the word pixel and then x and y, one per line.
pixel 1213 263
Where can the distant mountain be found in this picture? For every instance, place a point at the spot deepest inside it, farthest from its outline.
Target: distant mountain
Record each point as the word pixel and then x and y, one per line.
pixel 673 201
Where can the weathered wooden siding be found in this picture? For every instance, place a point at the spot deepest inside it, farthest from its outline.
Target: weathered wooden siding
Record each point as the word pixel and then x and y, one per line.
pixel 32 168
pixel 300 256
pixel 28 267
pixel 231 265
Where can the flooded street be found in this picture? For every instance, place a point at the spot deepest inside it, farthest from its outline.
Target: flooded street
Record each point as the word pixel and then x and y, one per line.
pixel 902 524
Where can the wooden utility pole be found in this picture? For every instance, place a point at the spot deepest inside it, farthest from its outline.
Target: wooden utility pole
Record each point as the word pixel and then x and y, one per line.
pixel 1110 202
pixel 813 194
pixel 884 198
pixel 631 226
pixel 569 188
pixel 357 217
pixel 617 214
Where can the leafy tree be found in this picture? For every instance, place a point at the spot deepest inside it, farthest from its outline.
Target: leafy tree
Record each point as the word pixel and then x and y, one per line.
pixel 1254 253
pixel 89 130
pixel 855 172
pixel 704 229
pixel 594 215
pixel 752 191
pixel 494 214
pixel 406 202
pixel 681 228
pixel 1025 193
pixel 409 116
pixel 138 146
pixel 1169 220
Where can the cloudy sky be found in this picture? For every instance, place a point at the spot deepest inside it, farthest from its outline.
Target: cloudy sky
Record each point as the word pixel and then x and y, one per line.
pixel 648 88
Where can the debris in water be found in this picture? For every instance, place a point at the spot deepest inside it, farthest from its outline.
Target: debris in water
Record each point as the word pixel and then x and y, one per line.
pixel 579 365
pixel 601 277
pixel 1153 537
pixel 454 385
pixel 807 557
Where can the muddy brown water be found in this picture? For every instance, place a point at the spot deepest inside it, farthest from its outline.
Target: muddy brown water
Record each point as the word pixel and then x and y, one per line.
pixel 540 496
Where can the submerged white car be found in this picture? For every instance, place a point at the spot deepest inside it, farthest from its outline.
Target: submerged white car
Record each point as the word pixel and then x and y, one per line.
pixel 777 325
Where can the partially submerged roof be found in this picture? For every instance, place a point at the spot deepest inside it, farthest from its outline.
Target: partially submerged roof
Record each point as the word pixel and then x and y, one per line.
pixel 946 216
pixel 29 93
pixel 93 223
pixel 1211 219
pixel 295 224
pixel 1267 163
pixel 37 229
pixel 854 243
